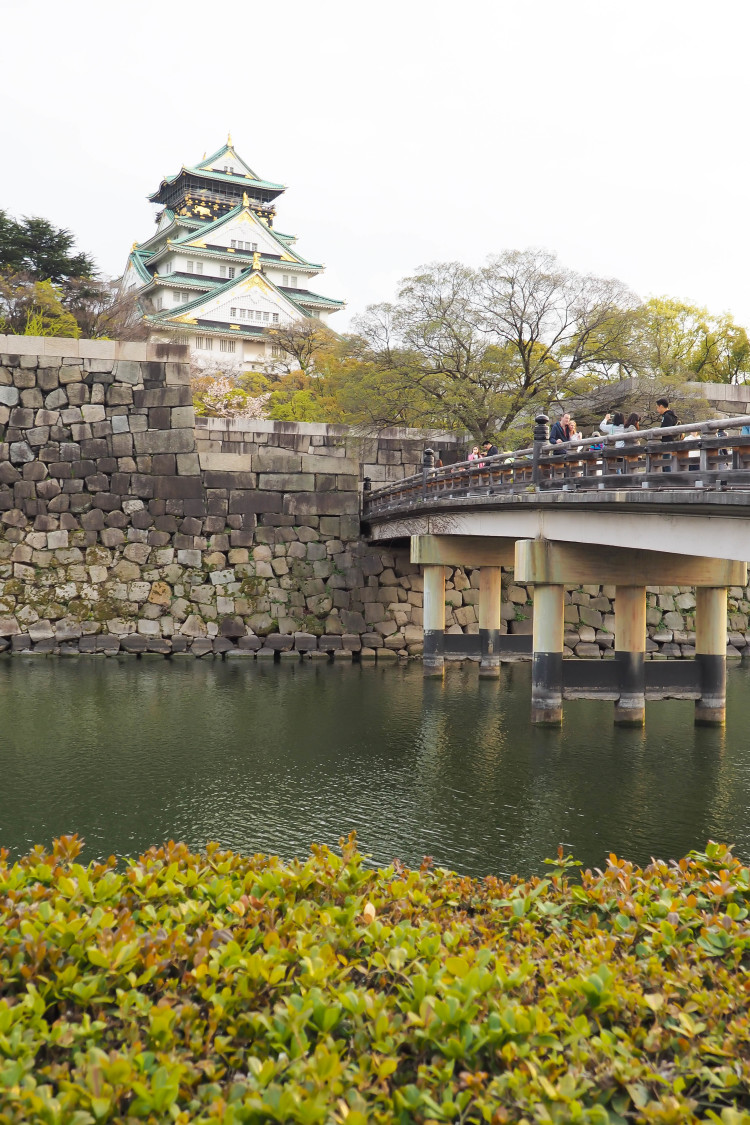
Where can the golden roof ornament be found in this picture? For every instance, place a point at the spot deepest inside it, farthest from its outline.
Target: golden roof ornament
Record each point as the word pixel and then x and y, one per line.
pixel 256 260
pixel 229 140
pixel 245 199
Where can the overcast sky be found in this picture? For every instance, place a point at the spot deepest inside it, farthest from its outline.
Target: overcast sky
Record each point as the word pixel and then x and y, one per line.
pixel 407 131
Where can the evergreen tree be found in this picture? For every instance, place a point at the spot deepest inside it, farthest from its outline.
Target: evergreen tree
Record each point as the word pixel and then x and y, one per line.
pixel 40 250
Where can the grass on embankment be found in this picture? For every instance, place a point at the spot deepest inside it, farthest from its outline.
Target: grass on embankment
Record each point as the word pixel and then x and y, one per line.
pixel 218 988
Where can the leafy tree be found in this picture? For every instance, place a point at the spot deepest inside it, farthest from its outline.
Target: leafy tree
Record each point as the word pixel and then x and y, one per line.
pixel 35 247
pixel 676 340
pixel 34 308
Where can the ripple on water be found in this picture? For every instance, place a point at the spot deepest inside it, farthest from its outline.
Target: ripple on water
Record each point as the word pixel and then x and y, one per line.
pixel 272 758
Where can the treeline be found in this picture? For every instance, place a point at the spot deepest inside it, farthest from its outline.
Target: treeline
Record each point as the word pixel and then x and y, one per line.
pixel 483 349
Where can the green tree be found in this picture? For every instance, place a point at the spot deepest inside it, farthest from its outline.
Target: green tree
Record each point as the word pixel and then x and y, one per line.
pixel 683 341
pixel 34 308
pixel 44 252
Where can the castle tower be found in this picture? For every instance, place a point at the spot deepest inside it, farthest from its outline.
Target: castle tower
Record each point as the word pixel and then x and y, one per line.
pixel 216 274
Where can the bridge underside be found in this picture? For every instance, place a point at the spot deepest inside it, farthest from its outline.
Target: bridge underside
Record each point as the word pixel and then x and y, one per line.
pixel 713 525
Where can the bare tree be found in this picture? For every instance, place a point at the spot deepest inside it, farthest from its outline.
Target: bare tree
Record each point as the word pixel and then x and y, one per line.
pixel 475 348
pixel 302 340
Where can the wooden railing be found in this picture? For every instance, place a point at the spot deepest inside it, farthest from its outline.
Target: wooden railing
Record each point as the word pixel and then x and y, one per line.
pixel 707 456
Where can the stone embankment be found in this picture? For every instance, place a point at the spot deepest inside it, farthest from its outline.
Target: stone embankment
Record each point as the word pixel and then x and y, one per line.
pixel 129 526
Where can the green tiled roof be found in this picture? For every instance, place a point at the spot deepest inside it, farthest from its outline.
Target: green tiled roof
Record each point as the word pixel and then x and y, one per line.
pixel 305 297
pixel 215 224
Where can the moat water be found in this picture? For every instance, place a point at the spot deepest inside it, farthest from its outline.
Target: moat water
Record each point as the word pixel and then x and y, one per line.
pixel 271 758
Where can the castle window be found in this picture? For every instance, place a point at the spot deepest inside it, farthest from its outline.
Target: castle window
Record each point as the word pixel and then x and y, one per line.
pixel 285 280
pixel 204 343
pixel 181 339
pixel 226 345
pixel 233 313
pixel 276 351
pixel 275 317
pixel 158 303
pixel 226 271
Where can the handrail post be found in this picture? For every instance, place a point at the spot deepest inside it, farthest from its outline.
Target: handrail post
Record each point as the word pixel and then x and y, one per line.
pixel 541 437
pixel 428 463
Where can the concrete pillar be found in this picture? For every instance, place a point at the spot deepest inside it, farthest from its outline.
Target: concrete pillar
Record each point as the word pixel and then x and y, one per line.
pixel 630 654
pixel 434 620
pixel 490 598
pixel 546 673
pixel 711 653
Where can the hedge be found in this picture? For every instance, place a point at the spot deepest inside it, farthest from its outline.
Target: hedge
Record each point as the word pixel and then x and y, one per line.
pixel 220 988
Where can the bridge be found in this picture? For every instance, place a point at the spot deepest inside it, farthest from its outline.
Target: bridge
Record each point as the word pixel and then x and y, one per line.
pixel 637 509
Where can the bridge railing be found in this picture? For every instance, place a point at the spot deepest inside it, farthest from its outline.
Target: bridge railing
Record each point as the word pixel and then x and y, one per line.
pixel 711 455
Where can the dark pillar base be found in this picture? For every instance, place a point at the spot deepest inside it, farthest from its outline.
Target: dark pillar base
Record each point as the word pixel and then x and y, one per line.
pixel 489 665
pixel 546 689
pixel 630 708
pixel 709 716
pixel 630 714
pixel 711 708
pixel 433 663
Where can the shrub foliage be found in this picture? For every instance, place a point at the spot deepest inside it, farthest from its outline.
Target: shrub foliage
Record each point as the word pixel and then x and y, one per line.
pixel 218 988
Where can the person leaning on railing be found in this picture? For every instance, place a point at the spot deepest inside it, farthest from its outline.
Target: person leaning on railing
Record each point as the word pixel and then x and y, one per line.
pixel 668 418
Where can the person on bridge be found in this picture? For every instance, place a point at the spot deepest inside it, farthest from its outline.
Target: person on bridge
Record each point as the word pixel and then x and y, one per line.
pixel 632 423
pixel 490 449
pixel 615 426
pixel 668 417
pixel 560 432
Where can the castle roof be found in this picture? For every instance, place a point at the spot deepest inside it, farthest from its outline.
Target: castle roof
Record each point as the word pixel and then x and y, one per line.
pixel 207 169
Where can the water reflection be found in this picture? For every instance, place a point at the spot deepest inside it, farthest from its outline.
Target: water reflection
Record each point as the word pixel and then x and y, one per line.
pixel 272 757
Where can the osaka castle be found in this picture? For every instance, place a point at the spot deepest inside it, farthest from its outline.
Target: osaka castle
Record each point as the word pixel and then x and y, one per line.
pixel 216 274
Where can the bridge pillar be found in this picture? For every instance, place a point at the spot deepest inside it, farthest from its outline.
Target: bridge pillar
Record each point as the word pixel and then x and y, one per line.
pixel 434 620
pixel 490 598
pixel 711 653
pixel 547 670
pixel 630 654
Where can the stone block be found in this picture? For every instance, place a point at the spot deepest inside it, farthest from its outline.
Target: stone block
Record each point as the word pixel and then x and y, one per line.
pixel 222 577
pixel 587 650
pixel 674 620
pixel 174 488
pixel 9 396
pixel 127 371
pixel 243 501
pixel 189 557
pixel 70 375
pixel 20 452
pixel 273 460
pixel 287 482
pixel 590 616
pixel 305 504
pixel 92 413
pixel 165 441
pixel 193 626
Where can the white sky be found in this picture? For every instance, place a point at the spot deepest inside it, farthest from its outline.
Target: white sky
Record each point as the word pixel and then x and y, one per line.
pixel 613 133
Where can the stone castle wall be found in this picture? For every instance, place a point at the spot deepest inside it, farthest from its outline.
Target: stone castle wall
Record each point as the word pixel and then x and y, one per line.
pixel 128 525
